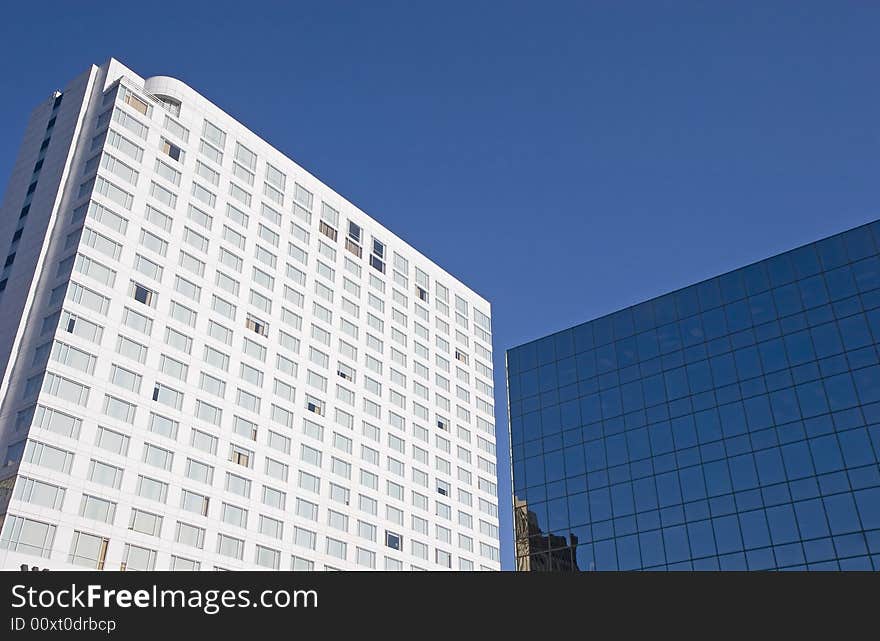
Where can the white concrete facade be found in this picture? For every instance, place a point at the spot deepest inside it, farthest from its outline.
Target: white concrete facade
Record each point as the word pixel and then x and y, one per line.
pixel 214 361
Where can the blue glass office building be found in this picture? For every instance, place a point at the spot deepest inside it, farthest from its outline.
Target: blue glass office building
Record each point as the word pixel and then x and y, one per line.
pixel 732 425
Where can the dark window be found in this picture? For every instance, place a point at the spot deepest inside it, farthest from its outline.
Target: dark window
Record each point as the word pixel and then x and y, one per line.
pixel 44 145
pixel 38 166
pixel 10 259
pixel 17 235
pixel 32 187
pixel 3 284
pixel 257 326
pixel 394 541
pixel 58 100
pixel 171 149
pixel 142 294
pixel 24 211
pixel 51 123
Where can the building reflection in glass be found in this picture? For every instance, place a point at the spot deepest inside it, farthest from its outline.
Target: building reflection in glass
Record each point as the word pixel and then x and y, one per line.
pixel 537 551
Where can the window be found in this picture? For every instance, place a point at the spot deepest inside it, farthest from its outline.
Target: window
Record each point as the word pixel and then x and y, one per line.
pixel 193 502
pixel 242 196
pixel 230 546
pixel 248 401
pixel 238 485
pixel 367 504
pixel 366 530
pixel 214 134
pixel 271 527
pixel 51 420
pixel 190 535
pixel 88 550
pixel 241 456
pixel 377 257
pixel 121 143
pixel 170 149
pixel 300 564
pixel 340 467
pixel 199 217
pixel 167 396
pixel 168 173
pixel 142 294
pixel 112 441
pixel 327 230
pixel 393 540
pixel 234 515
pixel 302 196
pixel 245 156
pixel 242 173
pixel 180 564
pixel 256 325
pixel 151 489
pixel 276 469
pixel 135 102
pixel 145 522
pixel 314 405
pixel 257 299
pixel 28 536
pixel 274 498
pixel 443 558
pixel 275 177
pixel 163 426
pixel 104 474
pixel 97 241
pixel 345 371
pixel 267 557
pixel 223 307
pixel 153 243
pixel 251 374
pixel 336 548
pixel 265 256
pixel 304 538
pixel 337 520
pixel 309 482
pixel 125 378
pixel 203 195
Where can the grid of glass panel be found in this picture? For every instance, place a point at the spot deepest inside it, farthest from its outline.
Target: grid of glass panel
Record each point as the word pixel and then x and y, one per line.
pixel 732 425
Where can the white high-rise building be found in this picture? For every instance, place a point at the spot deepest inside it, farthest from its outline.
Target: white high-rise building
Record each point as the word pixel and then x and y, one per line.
pixel 213 360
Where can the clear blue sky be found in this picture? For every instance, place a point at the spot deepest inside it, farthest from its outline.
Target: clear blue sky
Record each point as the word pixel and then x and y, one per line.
pixel 564 159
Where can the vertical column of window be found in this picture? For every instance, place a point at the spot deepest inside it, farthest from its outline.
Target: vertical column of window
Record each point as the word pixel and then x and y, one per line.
pixel 329 221
pixel 57 97
pixel 377 255
pixel 353 239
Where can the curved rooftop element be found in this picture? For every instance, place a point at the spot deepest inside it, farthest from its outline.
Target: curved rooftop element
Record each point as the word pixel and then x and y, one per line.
pixel 168 86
